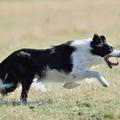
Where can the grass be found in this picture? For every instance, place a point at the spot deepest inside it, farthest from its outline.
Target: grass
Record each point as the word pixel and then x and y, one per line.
pixel 86 102
pixel 41 23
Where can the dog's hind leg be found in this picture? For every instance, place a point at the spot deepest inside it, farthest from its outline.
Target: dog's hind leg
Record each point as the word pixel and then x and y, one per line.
pixel 26 83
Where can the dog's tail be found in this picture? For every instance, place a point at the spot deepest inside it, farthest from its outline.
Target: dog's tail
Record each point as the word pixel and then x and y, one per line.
pixel 3 74
pixel 4 87
pixel 8 67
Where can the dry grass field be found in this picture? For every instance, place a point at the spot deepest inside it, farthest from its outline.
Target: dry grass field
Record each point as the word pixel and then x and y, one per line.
pixel 41 23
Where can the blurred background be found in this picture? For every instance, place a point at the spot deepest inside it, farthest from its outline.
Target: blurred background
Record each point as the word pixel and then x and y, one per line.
pixel 42 23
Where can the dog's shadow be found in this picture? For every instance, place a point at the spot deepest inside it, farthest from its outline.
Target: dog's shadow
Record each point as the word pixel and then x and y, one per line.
pixel 31 104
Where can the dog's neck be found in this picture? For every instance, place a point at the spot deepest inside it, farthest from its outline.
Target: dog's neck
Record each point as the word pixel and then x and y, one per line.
pixel 82 44
pixel 82 56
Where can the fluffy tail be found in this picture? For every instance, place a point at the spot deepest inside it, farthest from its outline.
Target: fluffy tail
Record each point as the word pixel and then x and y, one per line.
pixel 4 87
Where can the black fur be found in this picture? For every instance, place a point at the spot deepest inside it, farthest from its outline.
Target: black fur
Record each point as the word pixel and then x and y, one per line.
pixel 22 65
pixel 100 47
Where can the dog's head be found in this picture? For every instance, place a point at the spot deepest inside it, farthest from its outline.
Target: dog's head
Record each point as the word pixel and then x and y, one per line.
pixel 101 48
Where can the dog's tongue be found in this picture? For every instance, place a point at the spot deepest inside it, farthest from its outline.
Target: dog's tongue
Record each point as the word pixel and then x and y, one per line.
pixel 110 64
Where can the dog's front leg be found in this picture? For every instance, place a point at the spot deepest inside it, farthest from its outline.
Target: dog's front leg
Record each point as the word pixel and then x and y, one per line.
pixel 92 74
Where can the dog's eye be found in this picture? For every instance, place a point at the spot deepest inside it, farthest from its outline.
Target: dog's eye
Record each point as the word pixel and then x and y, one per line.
pixel 110 49
pixel 100 45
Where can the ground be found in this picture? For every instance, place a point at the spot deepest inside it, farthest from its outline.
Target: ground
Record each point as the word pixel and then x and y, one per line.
pixel 42 23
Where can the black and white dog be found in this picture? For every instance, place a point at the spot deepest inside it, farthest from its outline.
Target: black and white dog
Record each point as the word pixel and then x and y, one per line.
pixel 74 59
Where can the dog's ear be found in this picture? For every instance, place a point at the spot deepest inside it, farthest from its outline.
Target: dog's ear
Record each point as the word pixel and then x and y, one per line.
pixel 103 38
pixel 96 39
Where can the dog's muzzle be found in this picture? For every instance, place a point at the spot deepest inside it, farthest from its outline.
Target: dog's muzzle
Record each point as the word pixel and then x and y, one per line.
pixel 114 53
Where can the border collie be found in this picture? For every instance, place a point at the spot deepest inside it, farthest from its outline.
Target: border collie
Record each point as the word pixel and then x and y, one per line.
pixel 74 59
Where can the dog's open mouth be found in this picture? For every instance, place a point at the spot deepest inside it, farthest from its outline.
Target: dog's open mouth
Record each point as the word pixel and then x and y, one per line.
pixel 109 63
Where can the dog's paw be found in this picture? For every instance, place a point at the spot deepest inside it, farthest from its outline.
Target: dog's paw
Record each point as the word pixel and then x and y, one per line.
pixel 105 85
pixel 104 82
